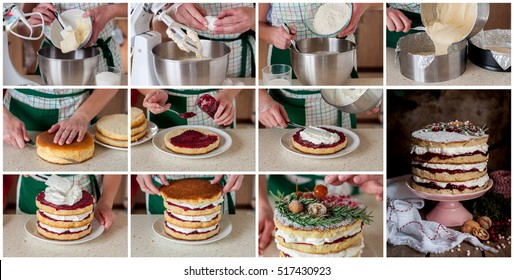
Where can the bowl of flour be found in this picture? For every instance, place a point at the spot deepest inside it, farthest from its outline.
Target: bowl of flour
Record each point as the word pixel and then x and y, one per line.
pixel 327 20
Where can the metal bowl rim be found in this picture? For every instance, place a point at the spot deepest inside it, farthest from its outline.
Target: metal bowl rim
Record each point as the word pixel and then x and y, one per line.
pixel 66 59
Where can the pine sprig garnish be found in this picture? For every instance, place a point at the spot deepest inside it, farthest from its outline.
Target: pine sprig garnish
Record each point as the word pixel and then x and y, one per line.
pixel 334 215
pixel 465 128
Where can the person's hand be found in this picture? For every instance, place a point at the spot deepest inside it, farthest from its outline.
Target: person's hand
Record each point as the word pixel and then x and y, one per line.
pixel 357 11
pixel 369 184
pixel 233 183
pixel 236 20
pixel 226 112
pixel 15 133
pixel 271 113
pixel 266 226
pixel 46 9
pixel 67 130
pixel 397 21
pixel 155 102
pixel 104 215
pixel 192 15
pixel 100 16
pixel 281 39
pixel 146 185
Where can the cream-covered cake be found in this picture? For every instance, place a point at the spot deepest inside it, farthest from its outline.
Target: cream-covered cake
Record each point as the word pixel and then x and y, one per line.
pixel 314 225
pixel 450 158
pixel 65 210
pixel 319 140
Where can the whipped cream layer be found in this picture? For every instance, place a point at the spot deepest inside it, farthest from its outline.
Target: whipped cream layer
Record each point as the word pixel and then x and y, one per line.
pixel 198 206
pixel 190 230
pixel 468 184
pixel 205 218
pixel 442 136
pixel 356 228
pixel 453 151
pixel 319 136
pixel 72 218
pixel 61 191
pixel 481 166
pixel 62 230
pixel 353 251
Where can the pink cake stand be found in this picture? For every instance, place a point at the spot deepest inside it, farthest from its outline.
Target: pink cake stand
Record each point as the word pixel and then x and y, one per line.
pixel 449 211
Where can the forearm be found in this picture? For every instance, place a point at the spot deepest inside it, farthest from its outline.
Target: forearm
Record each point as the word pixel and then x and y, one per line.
pixel 95 103
pixel 229 93
pixel 118 10
pixel 263 191
pixel 111 185
pixel 265 32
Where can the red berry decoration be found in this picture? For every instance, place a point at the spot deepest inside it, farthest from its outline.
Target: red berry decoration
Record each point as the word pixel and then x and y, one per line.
pixel 299 195
pixel 320 191
pixel 436 129
pixel 308 195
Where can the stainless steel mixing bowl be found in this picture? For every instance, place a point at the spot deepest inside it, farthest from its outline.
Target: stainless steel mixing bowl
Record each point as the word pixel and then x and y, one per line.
pixel 429 13
pixel 370 99
pixel 176 67
pixel 75 68
pixel 323 61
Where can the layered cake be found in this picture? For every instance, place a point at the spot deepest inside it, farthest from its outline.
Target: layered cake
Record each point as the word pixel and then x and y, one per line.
pixel 450 158
pixel 75 152
pixel 319 140
pixel 191 141
pixel 319 224
pixel 193 209
pixel 138 124
pixel 112 130
pixel 65 210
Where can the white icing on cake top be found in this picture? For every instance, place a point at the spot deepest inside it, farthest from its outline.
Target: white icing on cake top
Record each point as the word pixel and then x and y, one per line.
pixel 442 136
pixel 418 150
pixel 353 251
pixel 481 166
pixel 354 229
pixel 472 183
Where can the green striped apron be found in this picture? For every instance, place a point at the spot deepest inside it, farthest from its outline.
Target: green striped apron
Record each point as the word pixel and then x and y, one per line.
pixel 29 188
pixel 155 202
pixel 306 107
pixel 35 115
pixel 184 101
pixel 286 184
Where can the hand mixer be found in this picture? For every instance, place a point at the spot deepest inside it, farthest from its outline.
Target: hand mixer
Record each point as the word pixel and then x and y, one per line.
pixel 144 40
pixel 12 11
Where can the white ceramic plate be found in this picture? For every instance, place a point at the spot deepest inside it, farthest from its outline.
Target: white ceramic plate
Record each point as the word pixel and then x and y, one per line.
pixel 151 130
pixel 353 143
pixel 31 229
pixel 225 229
pixel 92 131
pixel 225 142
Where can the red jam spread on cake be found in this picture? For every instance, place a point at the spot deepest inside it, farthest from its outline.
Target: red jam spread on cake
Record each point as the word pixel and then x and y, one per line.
pixel 182 220
pixel 85 201
pixel 297 138
pixel 193 139
pixel 210 206
pixel 189 233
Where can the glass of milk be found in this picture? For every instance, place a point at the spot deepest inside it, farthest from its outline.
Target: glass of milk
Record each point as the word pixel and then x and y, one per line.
pixel 110 77
pixel 277 75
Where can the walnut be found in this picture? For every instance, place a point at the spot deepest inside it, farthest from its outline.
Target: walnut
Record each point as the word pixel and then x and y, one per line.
pixel 481 233
pixel 471 224
pixel 296 206
pixel 317 209
pixel 466 229
pixel 485 222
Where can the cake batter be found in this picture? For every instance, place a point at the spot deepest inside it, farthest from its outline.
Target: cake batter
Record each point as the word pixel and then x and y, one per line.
pixel 452 24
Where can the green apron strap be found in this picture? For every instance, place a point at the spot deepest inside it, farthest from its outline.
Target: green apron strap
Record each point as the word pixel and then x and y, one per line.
pixel 231 204
pixel 353 120
pixel 106 52
pixel 246 45
pixel 96 186
pixel 41 94
pixel 295 107
pixel 168 119
pixel 392 37
pixel 34 118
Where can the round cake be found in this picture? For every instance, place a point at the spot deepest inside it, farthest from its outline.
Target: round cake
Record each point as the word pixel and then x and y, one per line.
pixel 138 124
pixel 75 152
pixel 450 158
pixel 323 226
pixel 65 212
pixel 319 140
pixel 193 209
pixel 191 141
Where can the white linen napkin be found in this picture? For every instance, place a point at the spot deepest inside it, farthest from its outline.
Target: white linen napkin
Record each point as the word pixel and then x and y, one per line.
pixel 405 226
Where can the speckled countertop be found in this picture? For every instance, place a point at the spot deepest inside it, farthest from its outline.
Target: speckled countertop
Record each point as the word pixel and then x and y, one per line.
pixel 239 243
pixel 27 160
pixel 19 243
pixel 372 233
pixel 350 82
pixel 239 157
pixel 367 157
pixel 473 76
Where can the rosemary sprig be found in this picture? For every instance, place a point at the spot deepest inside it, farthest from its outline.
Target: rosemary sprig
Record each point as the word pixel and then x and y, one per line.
pixel 333 216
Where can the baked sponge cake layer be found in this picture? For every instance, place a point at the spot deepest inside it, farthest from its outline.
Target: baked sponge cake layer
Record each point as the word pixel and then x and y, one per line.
pixel 67 153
